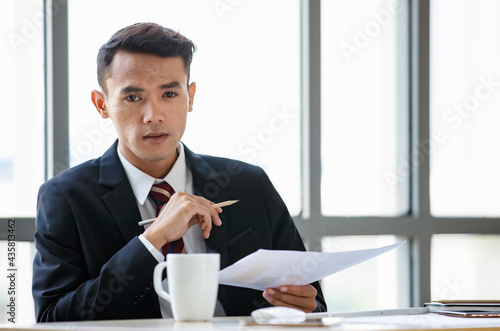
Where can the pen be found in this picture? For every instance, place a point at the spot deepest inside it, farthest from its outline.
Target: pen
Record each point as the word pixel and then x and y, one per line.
pixel 215 205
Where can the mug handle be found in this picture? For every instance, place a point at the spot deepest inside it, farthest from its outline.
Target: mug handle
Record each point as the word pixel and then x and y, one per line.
pixel 157 275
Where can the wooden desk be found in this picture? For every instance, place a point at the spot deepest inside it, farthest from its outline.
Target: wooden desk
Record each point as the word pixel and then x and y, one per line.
pixel 368 323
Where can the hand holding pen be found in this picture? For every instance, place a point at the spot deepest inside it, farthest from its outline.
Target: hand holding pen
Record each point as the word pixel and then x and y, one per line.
pixel 182 211
pixel 215 205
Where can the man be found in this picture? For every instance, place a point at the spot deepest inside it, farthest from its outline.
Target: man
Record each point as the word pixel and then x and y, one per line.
pixel 93 260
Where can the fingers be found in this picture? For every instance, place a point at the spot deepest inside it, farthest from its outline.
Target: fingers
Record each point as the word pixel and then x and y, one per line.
pixel 180 213
pixel 299 297
pixel 204 214
pixel 193 210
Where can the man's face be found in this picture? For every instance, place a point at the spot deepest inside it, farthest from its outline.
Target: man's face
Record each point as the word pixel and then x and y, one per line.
pixel 147 100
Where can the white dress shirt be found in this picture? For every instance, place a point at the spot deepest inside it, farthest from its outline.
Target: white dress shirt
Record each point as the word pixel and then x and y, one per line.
pixel 180 179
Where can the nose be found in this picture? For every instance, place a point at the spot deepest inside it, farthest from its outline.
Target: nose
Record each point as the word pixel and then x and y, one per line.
pixel 153 113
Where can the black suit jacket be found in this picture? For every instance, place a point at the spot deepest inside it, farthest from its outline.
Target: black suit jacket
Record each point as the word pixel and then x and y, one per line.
pixel 90 263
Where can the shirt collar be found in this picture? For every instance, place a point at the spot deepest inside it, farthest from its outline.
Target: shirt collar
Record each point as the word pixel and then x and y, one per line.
pixel 141 182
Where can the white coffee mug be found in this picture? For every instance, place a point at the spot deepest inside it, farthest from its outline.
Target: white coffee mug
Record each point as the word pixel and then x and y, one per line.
pixel 193 281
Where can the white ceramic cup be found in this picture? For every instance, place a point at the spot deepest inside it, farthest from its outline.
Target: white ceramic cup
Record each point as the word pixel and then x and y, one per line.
pixel 193 281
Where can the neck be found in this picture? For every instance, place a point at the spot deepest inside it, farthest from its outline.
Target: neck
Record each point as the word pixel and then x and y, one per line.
pixel 154 168
pixel 157 169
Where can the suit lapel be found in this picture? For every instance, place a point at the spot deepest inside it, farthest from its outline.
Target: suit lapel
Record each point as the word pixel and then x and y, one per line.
pixel 120 200
pixel 206 182
pixel 122 205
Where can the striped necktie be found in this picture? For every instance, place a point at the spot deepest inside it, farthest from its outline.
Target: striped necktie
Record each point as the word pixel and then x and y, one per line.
pixel 161 193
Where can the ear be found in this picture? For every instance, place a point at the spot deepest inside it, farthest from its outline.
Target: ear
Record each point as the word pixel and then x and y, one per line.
pixel 99 101
pixel 191 92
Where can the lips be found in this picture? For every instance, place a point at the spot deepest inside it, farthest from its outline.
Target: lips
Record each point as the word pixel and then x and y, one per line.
pixel 156 137
pixel 155 134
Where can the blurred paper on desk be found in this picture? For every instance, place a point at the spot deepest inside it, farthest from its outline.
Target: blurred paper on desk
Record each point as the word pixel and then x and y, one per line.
pixel 273 268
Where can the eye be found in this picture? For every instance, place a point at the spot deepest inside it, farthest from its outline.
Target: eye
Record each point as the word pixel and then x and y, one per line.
pixel 170 94
pixel 132 97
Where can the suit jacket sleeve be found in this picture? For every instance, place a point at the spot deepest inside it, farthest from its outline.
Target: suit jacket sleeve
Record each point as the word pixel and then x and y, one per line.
pixel 285 234
pixel 64 287
pixel 260 220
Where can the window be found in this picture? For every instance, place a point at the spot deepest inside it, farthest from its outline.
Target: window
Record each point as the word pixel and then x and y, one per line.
pixel 465 267
pixel 22 150
pixel 376 283
pixel 465 99
pixel 364 107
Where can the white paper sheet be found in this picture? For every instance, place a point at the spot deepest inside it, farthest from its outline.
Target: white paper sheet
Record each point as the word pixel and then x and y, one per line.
pixel 271 268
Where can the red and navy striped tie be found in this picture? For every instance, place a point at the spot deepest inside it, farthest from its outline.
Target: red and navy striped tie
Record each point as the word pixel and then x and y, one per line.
pixel 161 193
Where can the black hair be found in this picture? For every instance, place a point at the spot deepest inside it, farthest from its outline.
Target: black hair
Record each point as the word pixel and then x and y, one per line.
pixel 146 38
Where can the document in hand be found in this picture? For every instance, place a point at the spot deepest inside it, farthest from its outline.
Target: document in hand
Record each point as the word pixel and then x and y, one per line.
pixel 272 268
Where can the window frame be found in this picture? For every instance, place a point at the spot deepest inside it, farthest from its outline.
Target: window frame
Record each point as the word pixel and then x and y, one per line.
pixel 418 226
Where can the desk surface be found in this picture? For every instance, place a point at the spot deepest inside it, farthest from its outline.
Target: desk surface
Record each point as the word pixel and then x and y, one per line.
pixel 366 323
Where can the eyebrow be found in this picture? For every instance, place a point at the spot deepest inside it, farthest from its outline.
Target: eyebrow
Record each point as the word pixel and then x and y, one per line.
pixel 129 89
pixel 169 85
